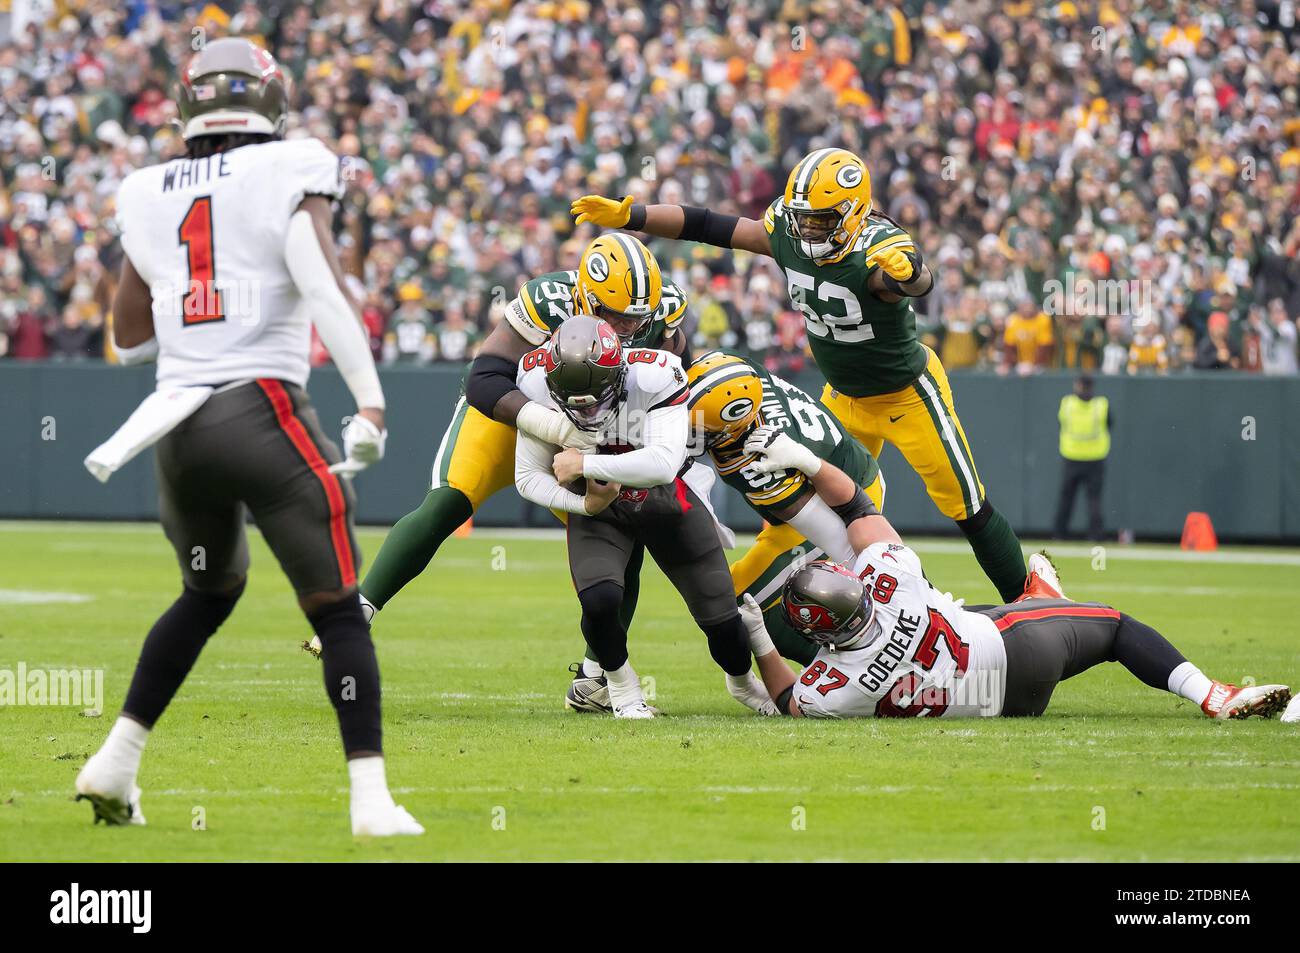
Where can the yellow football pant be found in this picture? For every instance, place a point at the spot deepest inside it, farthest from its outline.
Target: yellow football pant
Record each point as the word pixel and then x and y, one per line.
pixel 922 423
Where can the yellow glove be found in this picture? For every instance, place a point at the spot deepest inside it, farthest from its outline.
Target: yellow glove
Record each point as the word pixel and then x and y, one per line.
pixel 896 263
pixel 607 213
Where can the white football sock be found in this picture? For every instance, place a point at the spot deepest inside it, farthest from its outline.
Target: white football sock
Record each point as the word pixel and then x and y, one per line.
pixel 1188 681
pixel 369 785
pixel 624 686
pixel 124 746
pixel 741 682
pixel 592 669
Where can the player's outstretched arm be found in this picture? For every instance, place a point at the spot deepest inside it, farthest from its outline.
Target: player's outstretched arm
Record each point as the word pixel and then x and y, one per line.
pixel 313 263
pixel 133 331
pixel 777 677
pixel 685 222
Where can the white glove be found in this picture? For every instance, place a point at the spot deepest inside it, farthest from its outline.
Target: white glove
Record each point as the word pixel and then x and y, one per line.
pixel 363 444
pixel 551 426
pixel 776 451
pixel 760 643
pixel 749 691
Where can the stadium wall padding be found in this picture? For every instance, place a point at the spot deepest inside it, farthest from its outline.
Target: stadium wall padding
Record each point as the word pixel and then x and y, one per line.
pixel 1180 444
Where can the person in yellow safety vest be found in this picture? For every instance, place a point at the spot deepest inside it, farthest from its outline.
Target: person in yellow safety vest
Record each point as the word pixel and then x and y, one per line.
pixel 1086 422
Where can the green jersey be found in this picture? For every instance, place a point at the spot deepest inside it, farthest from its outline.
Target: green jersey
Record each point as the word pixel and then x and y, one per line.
pixel 864 345
pixel 806 421
pixel 546 302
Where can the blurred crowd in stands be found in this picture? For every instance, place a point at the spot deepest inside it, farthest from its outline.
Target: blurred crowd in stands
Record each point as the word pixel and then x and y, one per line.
pixel 1110 186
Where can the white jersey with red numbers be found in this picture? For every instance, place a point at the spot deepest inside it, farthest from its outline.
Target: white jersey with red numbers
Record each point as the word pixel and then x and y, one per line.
pixel 208 236
pixel 929 658
pixel 655 380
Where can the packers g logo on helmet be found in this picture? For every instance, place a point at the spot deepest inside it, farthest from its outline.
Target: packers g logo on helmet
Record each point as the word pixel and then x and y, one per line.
pixel 726 397
pixel 826 203
pixel 598 267
pixel 618 281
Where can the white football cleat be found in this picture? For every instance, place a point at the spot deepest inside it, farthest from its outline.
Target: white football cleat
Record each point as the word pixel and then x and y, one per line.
pixel 638 709
pixel 1292 713
pixel 383 820
pixel 116 800
pixel 312 647
pixel 1229 701
pixel 1042 581
pixel 752 694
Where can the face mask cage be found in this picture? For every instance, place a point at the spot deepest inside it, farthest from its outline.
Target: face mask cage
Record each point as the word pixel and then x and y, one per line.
pixel 626 326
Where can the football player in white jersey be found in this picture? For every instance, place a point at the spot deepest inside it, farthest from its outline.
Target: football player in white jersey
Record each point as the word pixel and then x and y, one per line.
pixel 634 404
pixel 893 646
pixel 228 261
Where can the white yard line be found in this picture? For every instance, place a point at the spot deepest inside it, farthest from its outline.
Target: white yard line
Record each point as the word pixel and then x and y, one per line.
pixel 1265 556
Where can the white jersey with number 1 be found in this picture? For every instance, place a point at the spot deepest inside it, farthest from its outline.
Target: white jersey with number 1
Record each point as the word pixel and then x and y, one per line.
pixel 930 658
pixel 208 237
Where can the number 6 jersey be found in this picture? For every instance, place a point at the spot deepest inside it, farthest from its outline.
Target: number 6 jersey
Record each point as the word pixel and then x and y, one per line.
pixel 207 236
pixel 929 658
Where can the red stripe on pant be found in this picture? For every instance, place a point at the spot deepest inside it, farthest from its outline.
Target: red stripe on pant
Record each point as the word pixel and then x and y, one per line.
pixel 1052 612
pixel 293 428
pixel 682 501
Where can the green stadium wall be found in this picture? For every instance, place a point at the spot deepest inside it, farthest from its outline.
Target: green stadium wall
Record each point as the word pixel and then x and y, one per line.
pixel 1180 444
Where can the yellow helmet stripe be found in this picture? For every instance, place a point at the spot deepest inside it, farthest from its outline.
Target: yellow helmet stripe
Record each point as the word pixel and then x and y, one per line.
pixel 804 179
pixel 640 270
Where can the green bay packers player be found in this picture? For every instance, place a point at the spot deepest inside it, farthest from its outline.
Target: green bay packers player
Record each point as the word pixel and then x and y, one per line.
pixel 851 271
pixel 617 280
pixel 731 403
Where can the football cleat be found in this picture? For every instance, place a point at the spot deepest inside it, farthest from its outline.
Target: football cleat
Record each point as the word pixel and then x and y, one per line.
pixel 1229 701
pixel 1292 713
pixel 1042 582
pixel 115 802
pixel 638 709
pixel 383 820
pixel 312 646
pixel 587 693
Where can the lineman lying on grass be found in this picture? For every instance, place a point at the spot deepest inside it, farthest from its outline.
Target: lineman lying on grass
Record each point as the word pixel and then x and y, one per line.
pixel 893 646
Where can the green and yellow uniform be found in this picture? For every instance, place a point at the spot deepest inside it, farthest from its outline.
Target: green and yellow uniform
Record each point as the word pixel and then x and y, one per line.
pixel 882 383
pixel 477 454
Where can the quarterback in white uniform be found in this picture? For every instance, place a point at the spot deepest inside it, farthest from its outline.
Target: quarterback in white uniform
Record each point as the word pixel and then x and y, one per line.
pixel 634 404
pixel 893 646
pixel 228 262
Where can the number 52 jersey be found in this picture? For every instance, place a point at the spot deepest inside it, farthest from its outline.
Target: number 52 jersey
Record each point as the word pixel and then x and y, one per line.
pixel 930 658
pixel 208 237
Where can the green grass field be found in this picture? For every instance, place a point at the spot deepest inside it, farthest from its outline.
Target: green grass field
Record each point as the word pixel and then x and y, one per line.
pixel 482 752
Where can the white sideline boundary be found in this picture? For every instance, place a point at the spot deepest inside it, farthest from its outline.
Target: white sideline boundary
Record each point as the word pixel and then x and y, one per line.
pixel 1169 553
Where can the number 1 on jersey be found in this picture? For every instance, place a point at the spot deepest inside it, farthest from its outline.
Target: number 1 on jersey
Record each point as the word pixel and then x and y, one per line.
pixel 202 301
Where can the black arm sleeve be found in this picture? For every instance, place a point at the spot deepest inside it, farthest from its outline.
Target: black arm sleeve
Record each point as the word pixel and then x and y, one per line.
pixel 856 508
pixel 701 225
pixel 783 700
pixel 490 379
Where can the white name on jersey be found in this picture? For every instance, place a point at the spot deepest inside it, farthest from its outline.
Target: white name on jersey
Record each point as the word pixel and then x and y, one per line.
pixel 930 657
